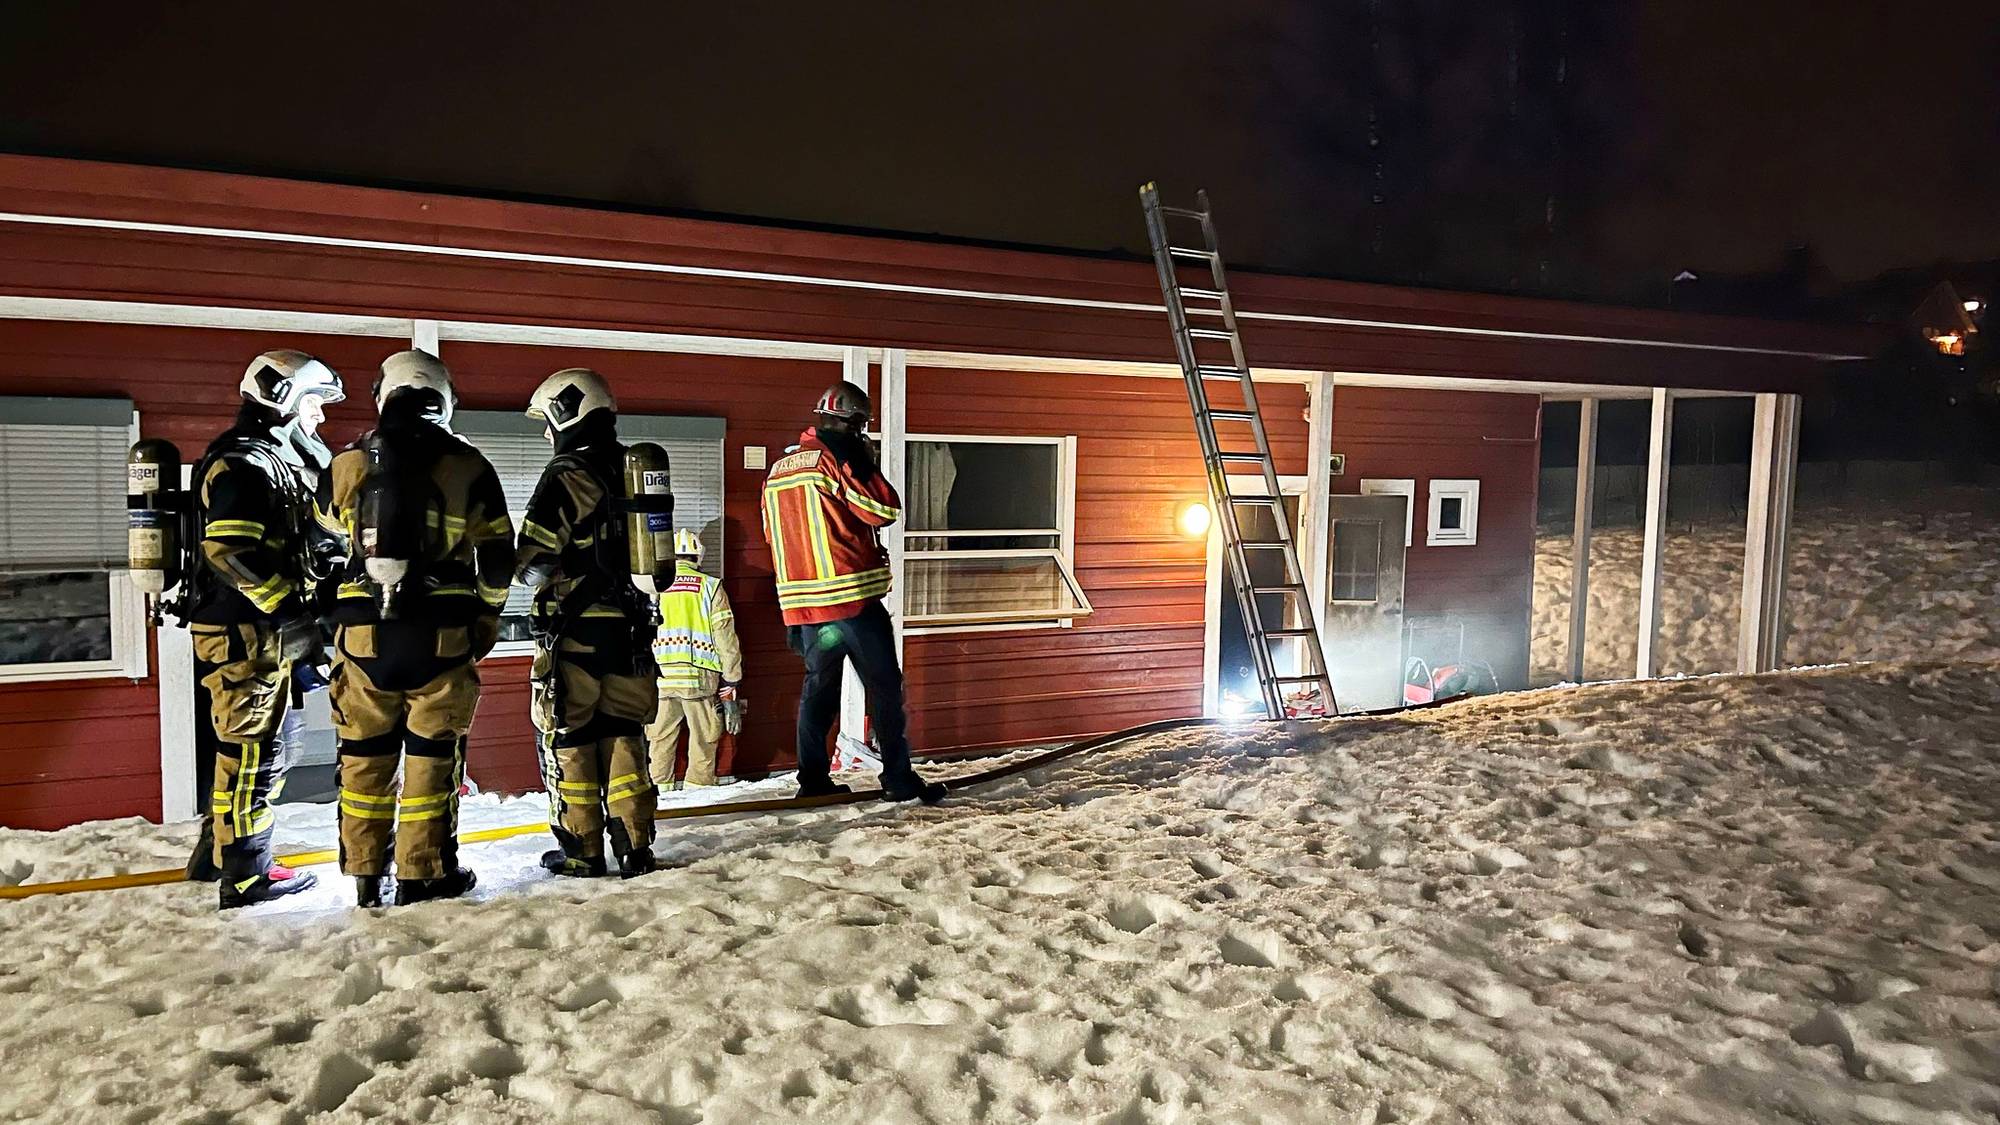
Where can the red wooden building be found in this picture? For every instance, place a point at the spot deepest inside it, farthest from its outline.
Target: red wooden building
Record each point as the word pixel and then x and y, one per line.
pixel 1049 587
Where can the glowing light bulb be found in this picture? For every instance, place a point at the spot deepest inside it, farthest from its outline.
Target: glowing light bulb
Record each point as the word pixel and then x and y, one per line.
pixel 1194 520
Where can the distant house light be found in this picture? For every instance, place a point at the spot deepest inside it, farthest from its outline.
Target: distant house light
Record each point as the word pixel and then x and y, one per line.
pixel 1974 305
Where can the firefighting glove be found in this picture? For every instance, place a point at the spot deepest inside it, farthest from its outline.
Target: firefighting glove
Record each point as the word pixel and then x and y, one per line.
pixel 732 710
pixel 485 634
pixel 299 640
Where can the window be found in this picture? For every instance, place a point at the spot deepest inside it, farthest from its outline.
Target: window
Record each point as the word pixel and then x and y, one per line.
pixel 519 452
pixel 1407 489
pixel 67 607
pixel 1357 560
pixel 987 532
pixel 1454 513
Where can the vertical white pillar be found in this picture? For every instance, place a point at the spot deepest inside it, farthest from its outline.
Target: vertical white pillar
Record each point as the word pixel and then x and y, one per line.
pixel 1579 557
pixel 1773 467
pixel 1319 486
pixel 1659 458
pixel 892 414
pixel 854 701
pixel 178 800
pixel 424 336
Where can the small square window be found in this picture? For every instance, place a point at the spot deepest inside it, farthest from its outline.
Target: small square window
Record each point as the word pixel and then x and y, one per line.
pixel 1454 513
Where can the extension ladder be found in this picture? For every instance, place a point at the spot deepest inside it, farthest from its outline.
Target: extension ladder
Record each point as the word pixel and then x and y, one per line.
pixel 1307 690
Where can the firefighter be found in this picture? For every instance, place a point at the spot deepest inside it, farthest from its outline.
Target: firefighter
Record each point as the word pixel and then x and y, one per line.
pixel 593 670
pixel 701 665
pixel 824 502
pixel 432 553
pixel 250 612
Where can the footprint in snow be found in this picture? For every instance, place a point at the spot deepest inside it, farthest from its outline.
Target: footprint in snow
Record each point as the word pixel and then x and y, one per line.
pixel 1418 997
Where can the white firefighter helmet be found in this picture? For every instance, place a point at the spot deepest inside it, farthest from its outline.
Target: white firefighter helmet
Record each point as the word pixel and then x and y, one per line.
pixel 846 402
pixel 415 370
pixel 569 396
pixel 687 545
pixel 281 377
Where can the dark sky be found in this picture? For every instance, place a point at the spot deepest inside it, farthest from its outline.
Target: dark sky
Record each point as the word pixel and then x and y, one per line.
pixel 1551 146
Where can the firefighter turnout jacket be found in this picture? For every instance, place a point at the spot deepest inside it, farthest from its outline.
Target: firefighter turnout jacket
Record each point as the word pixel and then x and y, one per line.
pixel 467 559
pixel 821 515
pixel 255 535
pixel 696 646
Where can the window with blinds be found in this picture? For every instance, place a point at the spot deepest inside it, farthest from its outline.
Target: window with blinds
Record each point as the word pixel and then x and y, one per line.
pixel 519 452
pixel 62 535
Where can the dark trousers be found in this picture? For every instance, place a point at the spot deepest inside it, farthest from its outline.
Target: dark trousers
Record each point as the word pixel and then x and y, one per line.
pixel 869 641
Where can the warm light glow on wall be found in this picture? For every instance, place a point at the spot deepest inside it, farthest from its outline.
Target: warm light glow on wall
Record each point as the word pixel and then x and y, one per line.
pixel 1949 343
pixel 1194 520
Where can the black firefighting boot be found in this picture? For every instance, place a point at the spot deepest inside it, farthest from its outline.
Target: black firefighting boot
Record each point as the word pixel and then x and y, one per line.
pixel 276 882
pixel 201 866
pixel 576 867
pixel 913 788
pixel 411 891
pixel 637 862
pixel 368 891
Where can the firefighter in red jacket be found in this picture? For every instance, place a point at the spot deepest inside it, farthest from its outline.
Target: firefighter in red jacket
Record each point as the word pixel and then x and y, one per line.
pixel 823 504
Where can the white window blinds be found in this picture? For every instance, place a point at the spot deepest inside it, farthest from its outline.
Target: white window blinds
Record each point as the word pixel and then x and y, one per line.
pixel 62 483
pixel 519 453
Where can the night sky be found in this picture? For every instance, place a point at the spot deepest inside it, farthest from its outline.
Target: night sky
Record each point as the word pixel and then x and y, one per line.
pixel 1565 147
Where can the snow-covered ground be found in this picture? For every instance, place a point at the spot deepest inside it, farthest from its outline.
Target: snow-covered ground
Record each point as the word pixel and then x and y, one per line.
pixel 1720 900
pixel 1863 585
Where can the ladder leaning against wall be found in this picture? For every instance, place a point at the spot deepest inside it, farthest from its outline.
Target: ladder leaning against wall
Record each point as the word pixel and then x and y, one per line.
pixel 1211 356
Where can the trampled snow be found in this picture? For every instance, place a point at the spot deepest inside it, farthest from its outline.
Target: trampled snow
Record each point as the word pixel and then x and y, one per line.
pixel 1716 900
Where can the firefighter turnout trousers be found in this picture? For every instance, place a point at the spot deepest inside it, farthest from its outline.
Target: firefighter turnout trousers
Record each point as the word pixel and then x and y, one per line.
pixel 403 694
pixel 702 717
pixel 592 703
pixel 249 690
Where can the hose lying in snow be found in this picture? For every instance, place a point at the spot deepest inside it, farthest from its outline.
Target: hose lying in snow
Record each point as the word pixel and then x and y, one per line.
pixel 689 812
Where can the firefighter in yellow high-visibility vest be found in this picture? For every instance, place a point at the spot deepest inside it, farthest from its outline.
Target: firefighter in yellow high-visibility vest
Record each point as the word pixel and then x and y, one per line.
pixel 701 665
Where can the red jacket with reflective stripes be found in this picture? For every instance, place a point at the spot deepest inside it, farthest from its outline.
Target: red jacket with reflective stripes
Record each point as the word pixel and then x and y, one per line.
pixel 821 518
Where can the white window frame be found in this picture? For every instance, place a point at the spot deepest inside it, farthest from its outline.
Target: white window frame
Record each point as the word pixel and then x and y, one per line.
pixel 1406 487
pixel 128 633
pixel 1467 533
pixel 1064 553
pixel 635 424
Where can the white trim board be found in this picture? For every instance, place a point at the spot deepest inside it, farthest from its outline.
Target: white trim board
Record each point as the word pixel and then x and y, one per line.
pixel 635 266
pixel 165 315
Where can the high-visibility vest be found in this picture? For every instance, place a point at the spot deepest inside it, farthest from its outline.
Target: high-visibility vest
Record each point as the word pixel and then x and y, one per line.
pixel 692 608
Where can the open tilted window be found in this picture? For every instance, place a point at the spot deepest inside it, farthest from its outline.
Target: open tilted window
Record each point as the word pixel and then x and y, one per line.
pixel 67 606
pixel 519 452
pixel 989 532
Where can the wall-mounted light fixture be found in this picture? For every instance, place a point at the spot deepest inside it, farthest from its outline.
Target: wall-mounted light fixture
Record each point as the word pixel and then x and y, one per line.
pixel 1194 520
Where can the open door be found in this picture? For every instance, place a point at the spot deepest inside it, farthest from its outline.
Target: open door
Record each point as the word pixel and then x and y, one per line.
pixel 1363 633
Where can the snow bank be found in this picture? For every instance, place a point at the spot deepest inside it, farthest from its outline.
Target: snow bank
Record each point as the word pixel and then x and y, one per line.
pixel 1863 586
pixel 1721 900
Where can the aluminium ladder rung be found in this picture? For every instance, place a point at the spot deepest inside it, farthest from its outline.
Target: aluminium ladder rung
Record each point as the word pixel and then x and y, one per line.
pixel 1267 544
pixel 1211 333
pixel 1241 456
pixel 1259 501
pixel 1204 294
pixel 1231 416
pixel 1191 253
pixel 1218 371
pixel 1184 213
pixel 1288 632
pixel 1287 588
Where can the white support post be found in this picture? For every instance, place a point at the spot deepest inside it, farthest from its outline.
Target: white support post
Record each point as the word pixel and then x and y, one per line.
pixel 1774 454
pixel 1659 458
pixel 178 799
pixel 853 700
pixel 424 336
pixel 1319 486
pixel 1579 558
pixel 892 414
